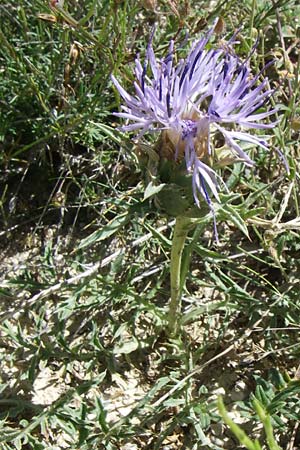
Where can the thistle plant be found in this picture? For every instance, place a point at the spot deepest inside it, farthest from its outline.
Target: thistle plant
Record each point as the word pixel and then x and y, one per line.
pixel 193 104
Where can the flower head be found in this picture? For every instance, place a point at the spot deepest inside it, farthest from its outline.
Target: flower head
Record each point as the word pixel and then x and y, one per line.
pixel 211 92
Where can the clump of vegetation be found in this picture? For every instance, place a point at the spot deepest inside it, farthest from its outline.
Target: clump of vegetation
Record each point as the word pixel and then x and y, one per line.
pixel 86 358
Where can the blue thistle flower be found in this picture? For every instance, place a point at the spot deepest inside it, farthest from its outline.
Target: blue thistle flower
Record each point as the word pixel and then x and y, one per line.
pixel 211 91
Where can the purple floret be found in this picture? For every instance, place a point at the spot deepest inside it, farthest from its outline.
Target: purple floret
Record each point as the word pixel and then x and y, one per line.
pixel 211 90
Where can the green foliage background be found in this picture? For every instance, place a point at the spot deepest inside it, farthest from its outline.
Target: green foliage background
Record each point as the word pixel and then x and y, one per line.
pixel 84 283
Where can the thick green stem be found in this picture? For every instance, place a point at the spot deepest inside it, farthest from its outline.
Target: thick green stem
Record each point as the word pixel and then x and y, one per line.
pixel 182 227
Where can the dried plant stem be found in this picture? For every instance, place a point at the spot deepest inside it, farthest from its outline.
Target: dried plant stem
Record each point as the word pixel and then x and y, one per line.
pixel 182 227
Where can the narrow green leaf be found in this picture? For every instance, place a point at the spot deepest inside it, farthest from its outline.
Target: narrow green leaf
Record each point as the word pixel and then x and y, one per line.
pixel 152 190
pixel 236 429
pixel 108 230
pixel 165 241
pixel 126 347
pixel 230 213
